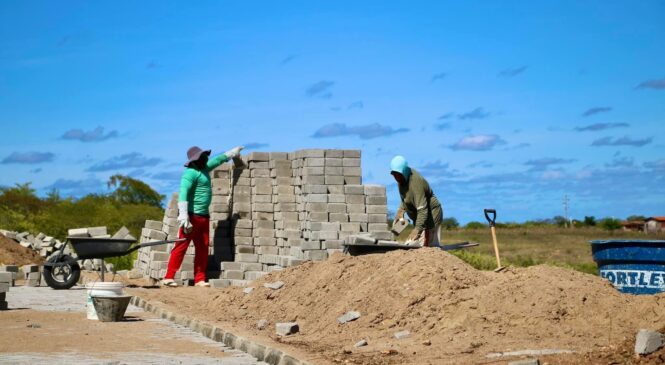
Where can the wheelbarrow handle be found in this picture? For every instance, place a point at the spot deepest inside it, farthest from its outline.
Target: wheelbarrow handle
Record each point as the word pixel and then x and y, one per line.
pixel 153 243
pixel 490 220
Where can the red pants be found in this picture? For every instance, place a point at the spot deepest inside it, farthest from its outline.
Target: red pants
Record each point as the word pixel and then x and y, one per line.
pixel 200 235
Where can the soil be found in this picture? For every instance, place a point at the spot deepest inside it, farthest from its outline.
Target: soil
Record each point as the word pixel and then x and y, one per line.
pixel 72 332
pixel 454 313
pixel 11 253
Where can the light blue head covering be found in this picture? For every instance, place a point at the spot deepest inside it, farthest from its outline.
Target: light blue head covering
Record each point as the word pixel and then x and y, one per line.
pixel 399 164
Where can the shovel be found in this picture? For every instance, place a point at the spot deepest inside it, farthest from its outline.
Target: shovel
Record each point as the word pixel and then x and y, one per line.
pixel 492 222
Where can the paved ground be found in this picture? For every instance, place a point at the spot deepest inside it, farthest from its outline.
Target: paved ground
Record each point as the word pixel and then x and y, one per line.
pixel 50 326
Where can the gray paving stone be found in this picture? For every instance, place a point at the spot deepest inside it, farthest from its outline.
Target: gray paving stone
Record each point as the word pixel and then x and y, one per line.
pixel 285 329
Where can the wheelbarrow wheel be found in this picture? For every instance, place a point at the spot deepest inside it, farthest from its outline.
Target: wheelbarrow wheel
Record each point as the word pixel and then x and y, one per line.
pixel 62 276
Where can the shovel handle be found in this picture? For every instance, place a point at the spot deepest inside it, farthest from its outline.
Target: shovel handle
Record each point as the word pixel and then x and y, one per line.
pixel 490 220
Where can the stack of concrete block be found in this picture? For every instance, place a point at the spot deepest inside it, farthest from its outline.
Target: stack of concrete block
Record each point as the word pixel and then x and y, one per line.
pixel 12 269
pixel 282 209
pixel 32 275
pixel 6 281
pixel 152 261
pixel 41 243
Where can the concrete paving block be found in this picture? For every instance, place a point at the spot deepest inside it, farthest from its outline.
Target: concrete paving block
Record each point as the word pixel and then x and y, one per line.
pixel 4 287
pixel 231 265
pixel 78 232
pixel 375 190
pixel 333 162
pixel 97 231
pixel 313 179
pixel 316 255
pixel 377 209
pixel 351 154
pixel 336 198
pixel 314 162
pixel 316 198
pixel 339 217
pixel 157 235
pixel 402 334
pixel 258 156
pixel 219 283
pixel 310 245
pixel 324 235
pixel 233 274
pixel 383 236
pixel 245 257
pixel 253 275
pixel 267 250
pixel 334 153
pixel 361 343
pixel 263 207
pixel 377 218
pixel 318 216
pixel 353 180
pixel 248 290
pixel 153 225
pixel 358 217
pixel 351 162
pixel 333 244
pixel 348 317
pixel 354 190
pixel 355 208
pixel 265 241
pixel 648 341
pixel 274 285
pixel 334 180
pixel 285 329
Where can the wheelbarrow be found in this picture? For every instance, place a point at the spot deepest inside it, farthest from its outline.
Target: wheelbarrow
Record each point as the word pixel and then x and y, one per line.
pixel 62 271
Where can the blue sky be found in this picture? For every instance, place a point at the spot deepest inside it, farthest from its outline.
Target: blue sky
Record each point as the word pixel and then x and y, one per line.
pixel 505 104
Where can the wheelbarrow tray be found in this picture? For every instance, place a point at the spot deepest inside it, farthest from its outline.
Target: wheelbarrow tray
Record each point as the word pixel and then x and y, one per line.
pixel 99 248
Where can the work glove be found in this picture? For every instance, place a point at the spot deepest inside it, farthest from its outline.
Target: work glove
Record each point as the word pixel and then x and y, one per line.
pixel 414 236
pixel 183 217
pixel 234 152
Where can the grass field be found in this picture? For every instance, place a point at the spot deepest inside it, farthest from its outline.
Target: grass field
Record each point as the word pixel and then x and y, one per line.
pixel 567 247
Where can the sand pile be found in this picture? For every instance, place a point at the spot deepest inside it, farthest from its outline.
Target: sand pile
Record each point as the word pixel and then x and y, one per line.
pixel 464 313
pixel 11 253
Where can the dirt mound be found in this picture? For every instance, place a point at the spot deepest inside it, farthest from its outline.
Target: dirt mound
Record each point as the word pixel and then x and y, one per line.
pixel 464 313
pixel 11 253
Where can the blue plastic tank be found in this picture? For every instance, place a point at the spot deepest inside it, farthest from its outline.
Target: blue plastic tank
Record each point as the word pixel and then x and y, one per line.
pixel 632 266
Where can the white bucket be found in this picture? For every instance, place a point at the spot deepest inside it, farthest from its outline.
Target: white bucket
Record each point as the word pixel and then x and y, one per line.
pixel 101 289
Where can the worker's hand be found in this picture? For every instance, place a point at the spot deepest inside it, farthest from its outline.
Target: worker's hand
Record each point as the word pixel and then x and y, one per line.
pixel 234 152
pixel 399 216
pixel 183 217
pixel 414 236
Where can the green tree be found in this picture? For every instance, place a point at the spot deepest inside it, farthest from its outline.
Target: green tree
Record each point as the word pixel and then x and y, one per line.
pixel 449 223
pixel 475 225
pixel 589 221
pixel 133 191
pixel 20 198
pixel 610 224
pixel 636 218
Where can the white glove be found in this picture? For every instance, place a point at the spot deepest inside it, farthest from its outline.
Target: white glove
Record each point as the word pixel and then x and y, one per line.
pixel 234 152
pixel 183 217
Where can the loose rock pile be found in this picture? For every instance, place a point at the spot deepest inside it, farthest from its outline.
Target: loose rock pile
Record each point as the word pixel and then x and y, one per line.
pixel 43 244
pixel 277 211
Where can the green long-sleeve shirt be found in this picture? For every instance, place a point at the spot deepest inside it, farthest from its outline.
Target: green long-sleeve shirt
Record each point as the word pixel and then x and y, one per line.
pixel 195 186
pixel 419 202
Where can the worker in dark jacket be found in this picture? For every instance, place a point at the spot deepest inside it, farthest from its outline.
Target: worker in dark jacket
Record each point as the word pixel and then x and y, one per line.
pixel 419 202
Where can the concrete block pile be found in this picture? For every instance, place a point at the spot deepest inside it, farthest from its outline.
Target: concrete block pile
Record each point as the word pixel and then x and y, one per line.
pixel 41 243
pixel 151 262
pixel 6 281
pixel 32 275
pixel 279 210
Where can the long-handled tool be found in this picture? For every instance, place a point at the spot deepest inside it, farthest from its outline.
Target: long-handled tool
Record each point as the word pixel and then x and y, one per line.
pixel 492 222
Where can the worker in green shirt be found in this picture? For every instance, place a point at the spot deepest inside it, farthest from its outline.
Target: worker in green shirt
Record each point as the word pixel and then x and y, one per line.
pixel 193 217
pixel 419 202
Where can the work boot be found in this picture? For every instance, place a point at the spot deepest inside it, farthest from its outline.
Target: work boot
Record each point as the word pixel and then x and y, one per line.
pixel 169 283
pixel 202 284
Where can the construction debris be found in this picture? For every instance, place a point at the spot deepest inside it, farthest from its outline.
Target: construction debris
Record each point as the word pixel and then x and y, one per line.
pixel 274 286
pixel 648 341
pixel 402 334
pixel 285 329
pixel 348 317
